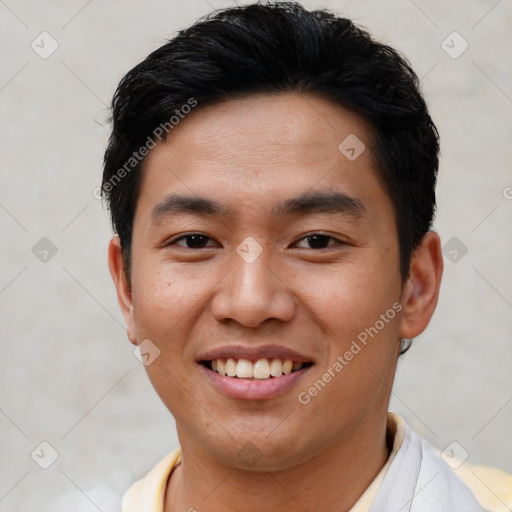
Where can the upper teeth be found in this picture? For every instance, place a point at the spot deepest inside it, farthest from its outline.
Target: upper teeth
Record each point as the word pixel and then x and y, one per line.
pixel 261 369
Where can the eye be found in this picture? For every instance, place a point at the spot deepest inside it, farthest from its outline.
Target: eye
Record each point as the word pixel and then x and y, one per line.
pixel 192 241
pixel 319 241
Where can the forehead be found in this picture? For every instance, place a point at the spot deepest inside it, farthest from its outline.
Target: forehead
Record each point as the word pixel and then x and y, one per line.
pixel 287 124
pixel 260 146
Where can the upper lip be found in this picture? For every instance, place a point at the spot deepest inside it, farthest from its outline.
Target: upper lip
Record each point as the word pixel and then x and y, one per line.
pixel 253 353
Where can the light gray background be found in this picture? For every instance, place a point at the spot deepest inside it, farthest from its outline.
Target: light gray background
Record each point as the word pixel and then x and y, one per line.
pixel 68 374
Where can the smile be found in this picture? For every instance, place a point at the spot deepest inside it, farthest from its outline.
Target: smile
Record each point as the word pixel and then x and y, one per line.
pixel 261 369
pixel 262 379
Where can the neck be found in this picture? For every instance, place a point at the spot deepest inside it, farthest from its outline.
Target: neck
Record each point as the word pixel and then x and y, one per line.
pixel 332 480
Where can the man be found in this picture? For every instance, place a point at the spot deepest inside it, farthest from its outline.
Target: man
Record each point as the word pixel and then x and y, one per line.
pixel 271 179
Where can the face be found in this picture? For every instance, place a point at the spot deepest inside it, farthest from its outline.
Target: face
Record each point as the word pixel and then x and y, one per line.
pixel 262 247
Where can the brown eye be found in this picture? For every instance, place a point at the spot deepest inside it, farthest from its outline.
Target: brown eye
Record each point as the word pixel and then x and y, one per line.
pixel 318 241
pixel 192 241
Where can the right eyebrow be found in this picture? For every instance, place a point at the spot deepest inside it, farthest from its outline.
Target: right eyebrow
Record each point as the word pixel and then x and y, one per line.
pixel 176 203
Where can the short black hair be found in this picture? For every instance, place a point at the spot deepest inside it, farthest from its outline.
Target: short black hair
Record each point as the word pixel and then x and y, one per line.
pixel 273 48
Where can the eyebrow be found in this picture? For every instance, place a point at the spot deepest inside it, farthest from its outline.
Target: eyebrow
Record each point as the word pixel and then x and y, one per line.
pixel 306 204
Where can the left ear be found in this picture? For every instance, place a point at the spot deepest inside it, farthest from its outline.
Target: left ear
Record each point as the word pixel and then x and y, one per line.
pixel 421 293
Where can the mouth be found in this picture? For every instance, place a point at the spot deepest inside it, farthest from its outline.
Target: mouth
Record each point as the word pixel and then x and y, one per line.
pixel 254 372
pixel 257 378
pixel 259 370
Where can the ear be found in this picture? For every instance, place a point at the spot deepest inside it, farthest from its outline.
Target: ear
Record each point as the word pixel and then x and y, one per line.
pixel 421 292
pixel 124 294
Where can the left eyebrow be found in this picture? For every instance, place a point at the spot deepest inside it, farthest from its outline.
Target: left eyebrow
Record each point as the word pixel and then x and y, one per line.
pixel 306 204
pixel 321 202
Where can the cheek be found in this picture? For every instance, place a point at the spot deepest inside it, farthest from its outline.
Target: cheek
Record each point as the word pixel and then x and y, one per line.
pixel 163 295
pixel 350 298
pixel 357 309
pixel 165 308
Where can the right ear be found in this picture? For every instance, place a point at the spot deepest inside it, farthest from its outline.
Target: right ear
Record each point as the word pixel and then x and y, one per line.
pixel 124 294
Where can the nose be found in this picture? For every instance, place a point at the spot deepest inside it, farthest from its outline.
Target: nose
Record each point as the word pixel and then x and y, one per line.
pixel 253 292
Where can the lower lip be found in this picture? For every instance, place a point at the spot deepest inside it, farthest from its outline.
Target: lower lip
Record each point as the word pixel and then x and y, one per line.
pixel 254 389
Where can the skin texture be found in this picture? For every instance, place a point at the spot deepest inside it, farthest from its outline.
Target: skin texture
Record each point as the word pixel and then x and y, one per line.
pixel 250 154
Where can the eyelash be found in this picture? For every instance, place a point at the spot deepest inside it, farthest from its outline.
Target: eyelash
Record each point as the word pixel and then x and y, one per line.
pixel 312 235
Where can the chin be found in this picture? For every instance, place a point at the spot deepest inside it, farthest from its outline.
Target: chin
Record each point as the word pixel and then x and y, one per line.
pixel 259 452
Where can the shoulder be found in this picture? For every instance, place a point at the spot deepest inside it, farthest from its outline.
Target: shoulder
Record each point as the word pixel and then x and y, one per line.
pixel 491 486
pixel 458 483
pixel 147 494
